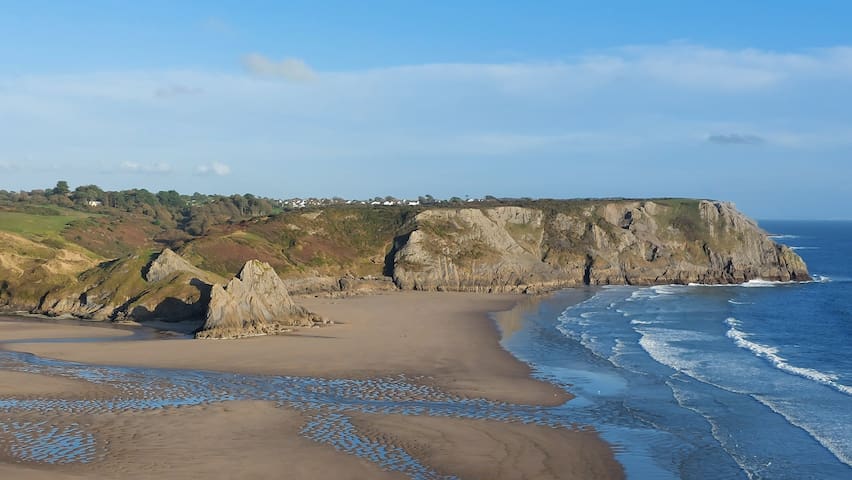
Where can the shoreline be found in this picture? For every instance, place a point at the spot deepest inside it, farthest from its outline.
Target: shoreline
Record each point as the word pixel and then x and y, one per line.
pixel 450 341
pixel 447 339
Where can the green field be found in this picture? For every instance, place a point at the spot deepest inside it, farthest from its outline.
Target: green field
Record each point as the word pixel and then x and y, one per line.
pixel 41 225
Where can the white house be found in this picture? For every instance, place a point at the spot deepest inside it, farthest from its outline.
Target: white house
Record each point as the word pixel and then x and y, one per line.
pixel 94 203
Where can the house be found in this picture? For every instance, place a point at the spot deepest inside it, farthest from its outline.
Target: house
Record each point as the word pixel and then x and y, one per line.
pixel 94 203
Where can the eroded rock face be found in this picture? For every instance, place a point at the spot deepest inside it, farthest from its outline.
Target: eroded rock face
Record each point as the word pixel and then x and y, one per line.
pixel 514 249
pixel 255 302
pixel 167 264
pixel 168 288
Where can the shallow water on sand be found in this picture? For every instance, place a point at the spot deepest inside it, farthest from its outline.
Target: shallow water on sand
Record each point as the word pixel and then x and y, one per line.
pixel 327 403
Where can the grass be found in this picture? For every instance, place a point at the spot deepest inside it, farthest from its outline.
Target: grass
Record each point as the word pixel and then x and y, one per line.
pixel 29 224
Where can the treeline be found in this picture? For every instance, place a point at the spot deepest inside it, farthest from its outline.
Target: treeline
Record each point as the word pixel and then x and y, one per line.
pixel 194 214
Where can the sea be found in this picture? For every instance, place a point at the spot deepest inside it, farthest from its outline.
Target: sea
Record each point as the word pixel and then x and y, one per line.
pixel 748 381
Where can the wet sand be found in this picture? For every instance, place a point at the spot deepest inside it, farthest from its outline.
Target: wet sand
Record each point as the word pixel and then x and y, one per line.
pixel 444 340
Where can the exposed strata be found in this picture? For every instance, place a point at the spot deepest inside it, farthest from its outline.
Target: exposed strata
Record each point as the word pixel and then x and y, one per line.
pixel 516 249
pixel 255 302
pixel 135 288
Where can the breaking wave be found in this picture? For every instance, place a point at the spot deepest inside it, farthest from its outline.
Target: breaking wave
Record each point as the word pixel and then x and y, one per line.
pixel 771 354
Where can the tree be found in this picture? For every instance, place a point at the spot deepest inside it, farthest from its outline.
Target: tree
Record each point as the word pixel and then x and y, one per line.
pixel 171 199
pixel 61 188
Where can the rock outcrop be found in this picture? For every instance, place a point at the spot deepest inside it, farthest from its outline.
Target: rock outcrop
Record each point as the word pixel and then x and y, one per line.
pixel 134 287
pixel 255 302
pixel 339 286
pixel 168 263
pixel 516 249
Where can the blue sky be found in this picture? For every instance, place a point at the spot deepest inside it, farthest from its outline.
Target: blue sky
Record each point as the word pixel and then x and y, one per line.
pixel 741 101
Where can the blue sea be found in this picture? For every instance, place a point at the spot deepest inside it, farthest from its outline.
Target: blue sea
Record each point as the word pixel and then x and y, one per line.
pixel 704 382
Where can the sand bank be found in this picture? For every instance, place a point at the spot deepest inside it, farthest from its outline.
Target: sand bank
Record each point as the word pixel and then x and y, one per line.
pixel 442 339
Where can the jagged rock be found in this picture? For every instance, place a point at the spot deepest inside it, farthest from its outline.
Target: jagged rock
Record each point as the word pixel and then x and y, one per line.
pixel 168 288
pixel 255 302
pixel 514 249
pixel 169 262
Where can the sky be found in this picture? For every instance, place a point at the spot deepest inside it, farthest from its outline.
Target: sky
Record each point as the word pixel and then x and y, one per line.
pixel 740 101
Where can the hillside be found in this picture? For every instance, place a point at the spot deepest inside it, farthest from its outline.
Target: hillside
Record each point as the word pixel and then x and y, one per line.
pixel 98 263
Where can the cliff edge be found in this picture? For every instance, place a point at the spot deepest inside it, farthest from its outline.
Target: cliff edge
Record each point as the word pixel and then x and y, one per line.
pixel 523 249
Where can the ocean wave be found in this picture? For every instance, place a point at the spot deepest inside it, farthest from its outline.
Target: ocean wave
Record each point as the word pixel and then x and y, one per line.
pixel 837 446
pixel 802 248
pixel 760 283
pixel 640 322
pixel 734 302
pixel 755 282
pixel 741 339
pixel 782 236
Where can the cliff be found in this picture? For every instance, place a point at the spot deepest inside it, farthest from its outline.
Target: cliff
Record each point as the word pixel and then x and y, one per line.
pixel 141 287
pixel 255 302
pixel 521 249
pixel 529 246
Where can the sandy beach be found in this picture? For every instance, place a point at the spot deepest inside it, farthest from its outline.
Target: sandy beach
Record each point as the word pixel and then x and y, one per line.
pixel 444 340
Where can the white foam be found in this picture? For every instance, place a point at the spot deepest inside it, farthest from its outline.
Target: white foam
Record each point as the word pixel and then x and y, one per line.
pixel 641 294
pixel 665 289
pixel 782 236
pixel 734 302
pixel 760 283
pixel 755 282
pixel 802 248
pixel 771 354
pixel 640 322
pixel 837 446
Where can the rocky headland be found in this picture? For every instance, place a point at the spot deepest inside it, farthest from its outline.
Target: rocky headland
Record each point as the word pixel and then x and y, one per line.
pixel 517 249
pixel 530 247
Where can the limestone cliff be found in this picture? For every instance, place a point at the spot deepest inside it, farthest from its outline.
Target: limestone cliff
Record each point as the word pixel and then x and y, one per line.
pixel 255 302
pixel 520 249
pixel 135 287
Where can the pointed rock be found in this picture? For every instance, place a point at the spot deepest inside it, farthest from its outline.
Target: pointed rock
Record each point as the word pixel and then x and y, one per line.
pixel 169 262
pixel 255 302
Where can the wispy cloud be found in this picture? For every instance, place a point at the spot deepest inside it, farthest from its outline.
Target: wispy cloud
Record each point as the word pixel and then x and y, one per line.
pixel 735 139
pixel 176 91
pixel 215 168
pixel 292 69
pixel 608 107
pixel 8 166
pixel 145 168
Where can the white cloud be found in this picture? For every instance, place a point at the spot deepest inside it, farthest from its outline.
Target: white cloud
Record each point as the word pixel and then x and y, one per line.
pixel 293 69
pixel 134 167
pixel 215 168
pixel 635 103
